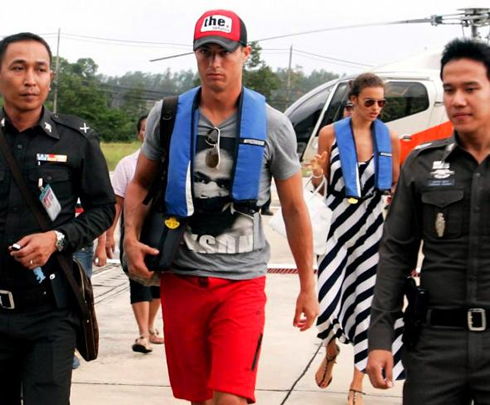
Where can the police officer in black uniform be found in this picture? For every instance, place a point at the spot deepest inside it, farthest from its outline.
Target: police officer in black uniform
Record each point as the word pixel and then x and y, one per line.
pixel 60 160
pixel 442 199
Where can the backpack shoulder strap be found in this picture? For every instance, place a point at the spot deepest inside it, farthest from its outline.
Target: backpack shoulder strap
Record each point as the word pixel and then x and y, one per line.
pixel 167 121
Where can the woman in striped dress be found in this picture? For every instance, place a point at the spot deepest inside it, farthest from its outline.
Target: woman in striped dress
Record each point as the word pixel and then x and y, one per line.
pixel 347 156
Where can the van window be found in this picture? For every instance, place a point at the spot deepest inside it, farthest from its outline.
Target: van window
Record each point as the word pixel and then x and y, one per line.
pixel 305 116
pixel 404 99
pixel 335 110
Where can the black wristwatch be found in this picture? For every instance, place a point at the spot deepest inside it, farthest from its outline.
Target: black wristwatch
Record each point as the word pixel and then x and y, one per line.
pixel 60 241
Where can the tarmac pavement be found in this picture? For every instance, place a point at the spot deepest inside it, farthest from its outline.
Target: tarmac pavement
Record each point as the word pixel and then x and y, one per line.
pixel 287 366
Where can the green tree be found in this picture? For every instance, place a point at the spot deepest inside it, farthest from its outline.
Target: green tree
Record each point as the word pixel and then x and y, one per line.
pixel 113 104
pixel 257 75
pixel 136 92
pixel 80 93
pixel 316 78
pixel 299 84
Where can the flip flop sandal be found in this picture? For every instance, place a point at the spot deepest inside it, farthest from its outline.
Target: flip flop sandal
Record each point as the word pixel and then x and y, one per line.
pixel 155 338
pixel 355 397
pixel 141 345
pixel 323 376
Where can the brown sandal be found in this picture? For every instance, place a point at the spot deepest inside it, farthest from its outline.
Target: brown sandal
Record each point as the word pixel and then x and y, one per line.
pixel 355 397
pixel 323 376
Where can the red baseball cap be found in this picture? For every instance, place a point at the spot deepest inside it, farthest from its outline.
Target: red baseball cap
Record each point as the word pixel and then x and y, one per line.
pixel 222 27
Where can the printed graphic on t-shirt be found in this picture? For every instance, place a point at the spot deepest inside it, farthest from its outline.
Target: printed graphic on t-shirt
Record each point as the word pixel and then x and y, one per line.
pixel 217 227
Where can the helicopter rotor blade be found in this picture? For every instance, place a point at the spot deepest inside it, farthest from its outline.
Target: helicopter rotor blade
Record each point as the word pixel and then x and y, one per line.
pixel 345 27
pixel 172 56
pixel 464 18
pixel 474 17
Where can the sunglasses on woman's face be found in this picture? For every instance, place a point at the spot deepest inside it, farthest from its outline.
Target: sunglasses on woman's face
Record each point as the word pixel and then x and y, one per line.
pixel 213 155
pixel 369 102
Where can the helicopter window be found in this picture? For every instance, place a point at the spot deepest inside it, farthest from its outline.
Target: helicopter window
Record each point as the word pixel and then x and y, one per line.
pixel 404 99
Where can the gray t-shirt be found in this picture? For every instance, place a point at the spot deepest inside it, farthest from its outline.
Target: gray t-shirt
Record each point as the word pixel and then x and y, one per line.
pixel 220 241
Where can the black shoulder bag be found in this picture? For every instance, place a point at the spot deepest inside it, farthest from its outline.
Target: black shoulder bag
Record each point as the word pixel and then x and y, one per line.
pixel 88 333
pixel 161 231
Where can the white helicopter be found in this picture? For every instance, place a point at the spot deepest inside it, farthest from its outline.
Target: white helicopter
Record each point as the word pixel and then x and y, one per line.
pixel 414 93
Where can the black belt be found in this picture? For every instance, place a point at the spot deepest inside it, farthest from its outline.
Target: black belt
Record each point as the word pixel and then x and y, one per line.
pixel 22 299
pixel 473 319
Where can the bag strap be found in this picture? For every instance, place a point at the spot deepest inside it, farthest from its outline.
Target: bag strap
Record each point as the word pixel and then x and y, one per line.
pixel 317 189
pixel 43 224
pixel 167 121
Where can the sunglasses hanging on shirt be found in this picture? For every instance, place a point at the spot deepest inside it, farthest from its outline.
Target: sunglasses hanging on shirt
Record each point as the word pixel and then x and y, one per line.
pixel 213 156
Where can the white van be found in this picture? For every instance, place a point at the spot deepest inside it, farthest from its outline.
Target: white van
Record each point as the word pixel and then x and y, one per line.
pixel 414 110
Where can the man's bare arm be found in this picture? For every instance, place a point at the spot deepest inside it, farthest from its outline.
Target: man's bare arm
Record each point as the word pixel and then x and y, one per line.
pixel 298 228
pixel 134 214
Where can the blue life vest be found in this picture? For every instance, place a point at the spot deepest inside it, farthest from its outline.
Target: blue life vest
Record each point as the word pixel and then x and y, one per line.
pixel 383 168
pixel 248 158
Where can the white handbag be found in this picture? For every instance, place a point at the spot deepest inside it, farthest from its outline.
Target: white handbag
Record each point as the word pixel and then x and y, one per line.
pixel 320 216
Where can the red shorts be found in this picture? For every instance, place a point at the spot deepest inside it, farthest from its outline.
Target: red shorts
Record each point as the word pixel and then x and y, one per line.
pixel 213 331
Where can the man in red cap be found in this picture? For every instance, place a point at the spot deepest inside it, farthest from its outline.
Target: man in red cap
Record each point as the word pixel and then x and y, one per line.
pixel 226 145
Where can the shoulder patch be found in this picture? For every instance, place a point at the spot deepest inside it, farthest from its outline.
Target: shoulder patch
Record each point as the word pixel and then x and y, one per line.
pixel 74 122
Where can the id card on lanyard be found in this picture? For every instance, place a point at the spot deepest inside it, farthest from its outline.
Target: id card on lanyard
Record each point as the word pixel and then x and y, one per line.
pixel 50 202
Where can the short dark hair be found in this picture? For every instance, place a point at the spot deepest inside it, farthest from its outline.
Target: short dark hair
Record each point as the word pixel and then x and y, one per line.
pixel 140 120
pixel 363 81
pixel 22 36
pixel 466 49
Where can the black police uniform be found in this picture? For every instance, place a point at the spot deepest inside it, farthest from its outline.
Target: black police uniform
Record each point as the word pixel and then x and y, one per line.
pixel 442 199
pixel 38 320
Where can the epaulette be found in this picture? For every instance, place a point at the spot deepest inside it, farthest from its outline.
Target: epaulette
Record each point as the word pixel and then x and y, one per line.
pixel 423 148
pixel 73 122
pixel 438 143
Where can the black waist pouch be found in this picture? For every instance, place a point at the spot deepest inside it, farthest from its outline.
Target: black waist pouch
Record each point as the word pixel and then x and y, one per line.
pixel 415 314
pixel 163 232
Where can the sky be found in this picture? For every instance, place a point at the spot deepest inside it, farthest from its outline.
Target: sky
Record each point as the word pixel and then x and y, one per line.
pixel 131 33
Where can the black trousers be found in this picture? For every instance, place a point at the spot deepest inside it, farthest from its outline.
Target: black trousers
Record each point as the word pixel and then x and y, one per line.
pixel 36 352
pixel 448 366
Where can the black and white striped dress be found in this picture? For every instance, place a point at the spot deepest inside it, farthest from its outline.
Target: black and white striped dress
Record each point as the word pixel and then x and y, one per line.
pixel 347 272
